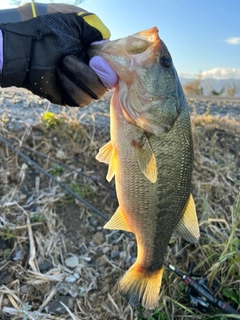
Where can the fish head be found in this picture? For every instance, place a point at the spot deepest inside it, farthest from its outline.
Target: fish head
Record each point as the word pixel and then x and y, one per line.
pixel 147 77
pixel 126 54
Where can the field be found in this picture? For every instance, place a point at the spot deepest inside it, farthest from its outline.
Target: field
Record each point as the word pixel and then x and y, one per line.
pixel 57 261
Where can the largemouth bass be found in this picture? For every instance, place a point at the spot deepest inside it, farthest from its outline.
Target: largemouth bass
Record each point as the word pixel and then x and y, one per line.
pixel 151 156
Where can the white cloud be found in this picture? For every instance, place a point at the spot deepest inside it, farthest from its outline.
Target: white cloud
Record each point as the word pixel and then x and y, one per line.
pixel 233 40
pixel 216 73
pixel 222 73
pixel 187 75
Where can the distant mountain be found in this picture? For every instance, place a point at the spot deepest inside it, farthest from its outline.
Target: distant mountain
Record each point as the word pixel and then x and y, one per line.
pixel 226 86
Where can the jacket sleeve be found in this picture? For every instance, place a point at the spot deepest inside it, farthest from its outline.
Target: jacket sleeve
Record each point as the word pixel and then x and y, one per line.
pixel 36 45
pixel 32 10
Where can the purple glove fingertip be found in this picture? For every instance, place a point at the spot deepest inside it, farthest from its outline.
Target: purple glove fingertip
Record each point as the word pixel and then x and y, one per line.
pixel 96 43
pixel 103 70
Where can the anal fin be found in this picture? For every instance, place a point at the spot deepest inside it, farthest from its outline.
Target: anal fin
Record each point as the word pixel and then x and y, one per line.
pixel 117 221
pixel 187 227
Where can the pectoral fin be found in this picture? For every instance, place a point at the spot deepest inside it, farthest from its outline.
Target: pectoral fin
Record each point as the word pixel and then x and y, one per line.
pixel 146 159
pixel 107 154
pixel 104 154
pixel 187 227
pixel 117 222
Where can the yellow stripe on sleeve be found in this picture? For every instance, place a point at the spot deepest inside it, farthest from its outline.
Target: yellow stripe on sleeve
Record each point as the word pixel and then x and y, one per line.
pixel 95 22
pixel 34 13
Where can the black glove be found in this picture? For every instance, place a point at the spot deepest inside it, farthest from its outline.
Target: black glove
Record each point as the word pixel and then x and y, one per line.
pixel 48 56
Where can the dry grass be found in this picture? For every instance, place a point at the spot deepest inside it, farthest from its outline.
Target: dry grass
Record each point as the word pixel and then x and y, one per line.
pixel 40 222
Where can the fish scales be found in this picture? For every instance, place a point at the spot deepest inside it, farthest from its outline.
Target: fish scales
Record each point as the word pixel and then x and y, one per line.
pixel 163 197
pixel 151 156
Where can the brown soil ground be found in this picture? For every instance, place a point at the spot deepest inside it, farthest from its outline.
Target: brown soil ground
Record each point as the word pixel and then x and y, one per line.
pixel 41 224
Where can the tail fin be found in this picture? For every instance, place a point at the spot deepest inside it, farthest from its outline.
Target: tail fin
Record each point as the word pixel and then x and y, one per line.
pixel 140 287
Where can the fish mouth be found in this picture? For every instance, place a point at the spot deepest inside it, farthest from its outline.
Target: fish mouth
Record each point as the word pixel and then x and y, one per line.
pixel 131 45
pixel 150 34
pixel 106 49
pixel 146 36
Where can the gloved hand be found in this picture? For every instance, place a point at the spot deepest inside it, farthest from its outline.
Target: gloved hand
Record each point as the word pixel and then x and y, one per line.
pixel 48 54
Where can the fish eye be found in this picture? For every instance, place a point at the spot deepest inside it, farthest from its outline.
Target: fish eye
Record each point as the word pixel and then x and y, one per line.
pixel 166 62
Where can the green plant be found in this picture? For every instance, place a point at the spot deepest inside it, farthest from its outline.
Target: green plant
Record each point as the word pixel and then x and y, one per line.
pixel 56 170
pixel 82 291
pixel 51 120
pixel 230 252
pixel 5 234
pixel 194 87
pixel 231 294
pixel 37 218
pixel 231 90
pixel 83 190
pixel 217 93
pixel 157 314
pixel 26 307
pixel 7 253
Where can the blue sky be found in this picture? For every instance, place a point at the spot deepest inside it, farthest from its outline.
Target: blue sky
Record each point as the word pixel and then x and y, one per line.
pixel 202 35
